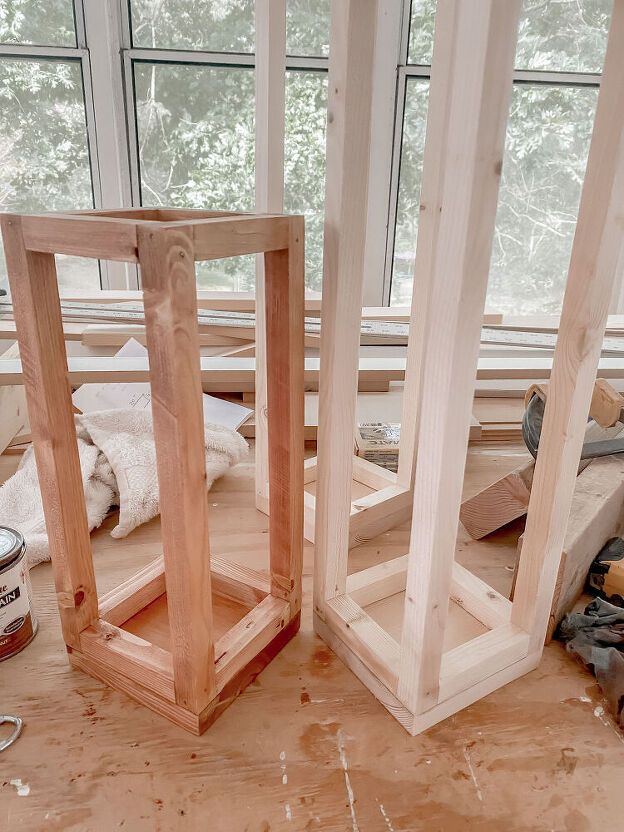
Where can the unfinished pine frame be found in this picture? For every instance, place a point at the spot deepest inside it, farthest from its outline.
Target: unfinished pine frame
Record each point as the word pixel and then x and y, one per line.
pixel 420 679
pixel 193 672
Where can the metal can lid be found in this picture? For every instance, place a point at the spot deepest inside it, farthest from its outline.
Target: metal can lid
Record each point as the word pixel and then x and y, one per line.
pixel 11 546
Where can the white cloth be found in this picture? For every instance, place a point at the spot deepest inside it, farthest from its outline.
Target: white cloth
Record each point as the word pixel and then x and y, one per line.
pixel 118 465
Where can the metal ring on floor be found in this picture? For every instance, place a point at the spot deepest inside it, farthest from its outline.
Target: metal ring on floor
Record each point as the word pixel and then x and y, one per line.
pixel 19 724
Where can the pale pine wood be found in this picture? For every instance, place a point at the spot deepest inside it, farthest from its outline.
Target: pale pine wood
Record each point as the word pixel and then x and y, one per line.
pixel 168 277
pixel 375 647
pixel 218 374
pixel 596 249
pixel 32 278
pixel 270 78
pixel 352 41
pixel 478 41
pixel 430 210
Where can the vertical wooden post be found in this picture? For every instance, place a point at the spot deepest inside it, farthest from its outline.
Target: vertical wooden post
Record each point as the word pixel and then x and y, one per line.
pixel 598 244
pixel 270 125
pixel 479 40
pixel 284 346
pixel 167 264
pixel 37 308
pixel 430 209
pixel 348 144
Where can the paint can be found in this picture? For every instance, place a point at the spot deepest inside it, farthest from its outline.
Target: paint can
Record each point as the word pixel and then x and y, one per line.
pixel 18 624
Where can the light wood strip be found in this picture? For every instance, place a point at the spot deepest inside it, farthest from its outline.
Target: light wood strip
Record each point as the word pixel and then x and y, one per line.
pixel 270 79
pixel 477 42
pixel 362 634
pixel 350 84
pixel 596 252
pixel 481 657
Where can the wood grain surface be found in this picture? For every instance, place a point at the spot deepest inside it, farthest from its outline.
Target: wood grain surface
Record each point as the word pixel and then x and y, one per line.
pixel 306 747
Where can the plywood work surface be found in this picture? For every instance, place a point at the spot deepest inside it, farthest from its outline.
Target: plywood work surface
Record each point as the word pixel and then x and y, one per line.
pixel 306 747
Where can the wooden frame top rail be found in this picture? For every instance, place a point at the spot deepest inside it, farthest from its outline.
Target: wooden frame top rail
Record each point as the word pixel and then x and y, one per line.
pixel 113 235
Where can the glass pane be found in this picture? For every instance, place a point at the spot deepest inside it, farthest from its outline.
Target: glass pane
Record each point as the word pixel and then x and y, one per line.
pixel 196 148
pixel 307 27
pixel 421 31
pixel 412 146
pixel 44 156
pixel 546 151
pixel 210 25
pixel 564 35
pixel 559 35
pixel 31 21
pixel 545 156
pixel 306 115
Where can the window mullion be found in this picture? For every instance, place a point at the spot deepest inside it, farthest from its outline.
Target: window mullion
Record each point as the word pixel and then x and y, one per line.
pixel 106 105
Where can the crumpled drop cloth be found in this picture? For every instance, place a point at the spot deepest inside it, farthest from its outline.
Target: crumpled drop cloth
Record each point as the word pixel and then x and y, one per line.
pixel 597 638
pixel 118 465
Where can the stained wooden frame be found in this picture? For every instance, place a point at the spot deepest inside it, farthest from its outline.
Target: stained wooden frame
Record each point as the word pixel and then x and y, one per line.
pixel 414 675
pixel 194 680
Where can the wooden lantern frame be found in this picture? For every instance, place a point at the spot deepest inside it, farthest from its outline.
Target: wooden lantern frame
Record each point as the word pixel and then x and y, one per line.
pixel 195 680
pixel 413 675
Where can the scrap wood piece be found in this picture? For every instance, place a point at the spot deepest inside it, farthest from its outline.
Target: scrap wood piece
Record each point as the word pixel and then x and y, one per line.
pixel 508 498
pixel 596 515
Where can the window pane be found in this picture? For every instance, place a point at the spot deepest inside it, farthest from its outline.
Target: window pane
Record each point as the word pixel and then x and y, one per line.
pixel 31 21
pixel 196 148
pixel 564 35
pixel 421 31
pixel 306 115
pixel 558 35
pixel 307 27
pixel 546 151
pixel 209 25
pixel 44 157
pixel 413 142
pixel 545 156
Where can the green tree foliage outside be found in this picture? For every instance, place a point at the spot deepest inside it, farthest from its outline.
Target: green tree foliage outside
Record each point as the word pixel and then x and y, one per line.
pixel 44 156
pixel 546 149
pixel 196 123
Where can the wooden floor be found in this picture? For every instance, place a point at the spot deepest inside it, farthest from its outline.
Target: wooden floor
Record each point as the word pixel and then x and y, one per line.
pixel 307 747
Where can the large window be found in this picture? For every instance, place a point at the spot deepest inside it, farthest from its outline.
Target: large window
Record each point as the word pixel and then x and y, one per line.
pixel 191 67
pixel 560 50
pixel 172 122
pixel 44 146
